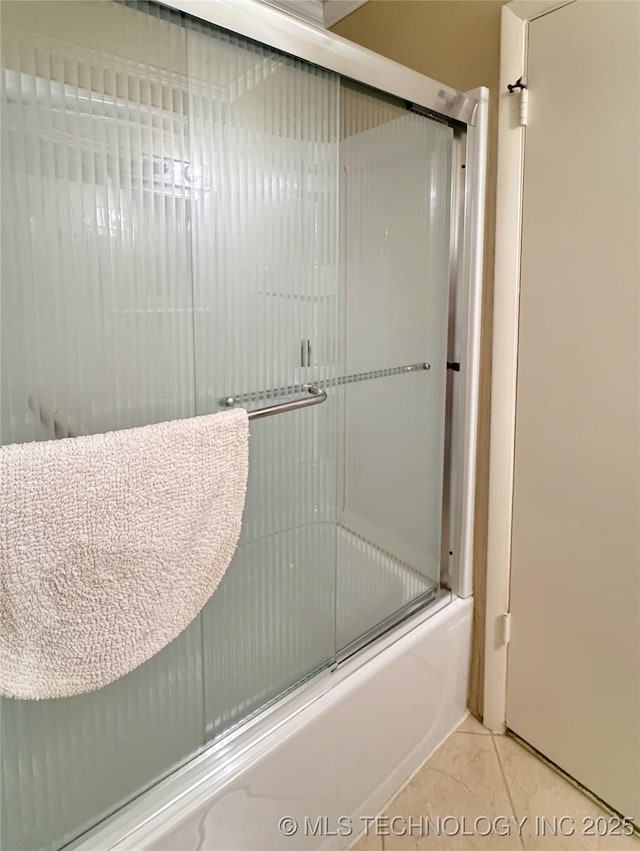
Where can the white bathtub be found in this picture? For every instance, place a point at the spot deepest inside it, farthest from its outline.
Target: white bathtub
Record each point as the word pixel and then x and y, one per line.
pixel 334 751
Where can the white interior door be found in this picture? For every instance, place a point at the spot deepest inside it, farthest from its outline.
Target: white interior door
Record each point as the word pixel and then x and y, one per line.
pixel 573 683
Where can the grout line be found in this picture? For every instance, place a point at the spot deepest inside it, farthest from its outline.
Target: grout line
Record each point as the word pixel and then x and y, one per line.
pixel 506 783
pixel 484 732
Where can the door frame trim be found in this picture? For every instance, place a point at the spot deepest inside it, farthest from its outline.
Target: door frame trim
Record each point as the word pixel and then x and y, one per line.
pixel 515 19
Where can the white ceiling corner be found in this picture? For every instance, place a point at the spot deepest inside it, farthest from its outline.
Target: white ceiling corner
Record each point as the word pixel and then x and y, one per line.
pixel 323 13
pixel 335 10
pixel 528 10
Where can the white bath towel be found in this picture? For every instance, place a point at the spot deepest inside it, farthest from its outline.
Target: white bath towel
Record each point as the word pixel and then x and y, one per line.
pixel 110 545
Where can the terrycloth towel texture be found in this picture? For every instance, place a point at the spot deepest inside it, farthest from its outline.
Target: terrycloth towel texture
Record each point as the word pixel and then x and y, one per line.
pixel 110 545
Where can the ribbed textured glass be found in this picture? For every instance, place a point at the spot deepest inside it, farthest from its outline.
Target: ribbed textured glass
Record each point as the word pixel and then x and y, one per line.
pixel 189 216
pixel 97 298
pixel 96 334
pixel 395 193
pixel 67 763
pixel 265 231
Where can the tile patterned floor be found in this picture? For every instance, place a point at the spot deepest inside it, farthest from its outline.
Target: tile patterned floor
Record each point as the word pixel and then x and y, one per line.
pixel 488 784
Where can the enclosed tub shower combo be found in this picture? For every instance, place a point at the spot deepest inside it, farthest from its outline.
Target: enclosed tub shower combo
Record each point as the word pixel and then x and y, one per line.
pixel 208 205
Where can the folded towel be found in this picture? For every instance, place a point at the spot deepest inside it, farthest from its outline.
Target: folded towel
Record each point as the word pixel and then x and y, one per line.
pixel 110 545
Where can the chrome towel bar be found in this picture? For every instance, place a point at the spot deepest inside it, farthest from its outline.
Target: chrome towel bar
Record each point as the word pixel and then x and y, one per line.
pixel 316 397
pixel 319 385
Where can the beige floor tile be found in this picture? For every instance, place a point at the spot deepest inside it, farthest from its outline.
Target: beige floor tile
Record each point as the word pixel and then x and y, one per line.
pixel 369 842
pixel 472 725
pixel 462 780
pixel 538 791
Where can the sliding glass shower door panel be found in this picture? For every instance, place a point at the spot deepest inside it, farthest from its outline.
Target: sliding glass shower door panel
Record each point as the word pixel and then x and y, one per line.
pixel 96 335
pixel 396 181
pixel 265 146
pixel 191 221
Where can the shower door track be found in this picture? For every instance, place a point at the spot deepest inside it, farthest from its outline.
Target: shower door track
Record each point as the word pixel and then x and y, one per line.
pixel 266 25
pixel 413 607
pixel 376 640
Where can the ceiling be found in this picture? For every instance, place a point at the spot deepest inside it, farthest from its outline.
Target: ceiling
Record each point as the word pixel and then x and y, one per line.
pixel 324 13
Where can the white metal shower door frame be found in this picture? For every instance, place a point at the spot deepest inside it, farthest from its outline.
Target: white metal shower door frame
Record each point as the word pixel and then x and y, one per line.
pixel 467 112
pixel 268 25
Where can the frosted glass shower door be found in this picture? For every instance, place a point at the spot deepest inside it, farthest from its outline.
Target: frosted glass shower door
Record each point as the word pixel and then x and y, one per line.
pixel 192 220
pixel 396 198
pixel 265 146
pixel 97 334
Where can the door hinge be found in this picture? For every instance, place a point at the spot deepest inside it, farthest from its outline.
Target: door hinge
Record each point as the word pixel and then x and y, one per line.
pixel 524 99
pixel 506 627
